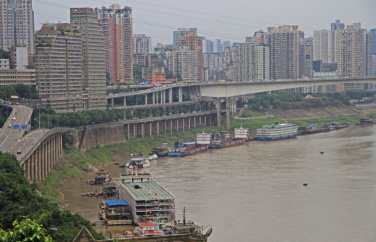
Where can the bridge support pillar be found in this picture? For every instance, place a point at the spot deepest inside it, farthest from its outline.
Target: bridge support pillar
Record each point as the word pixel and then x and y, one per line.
pixel 32 166
pixel 228 100
pixel 150 128
pixel 153 97
pixel 129 131
pixel 112 102
pixel 143 130
pixel 218 112
pixel 165 126
pixel 42 160
pixel 146 99
pixel 183 119
pixel 180 94
pixel 125 101
pixel 134 130
pixel 171 125
pixel 29 167
pixel 170 95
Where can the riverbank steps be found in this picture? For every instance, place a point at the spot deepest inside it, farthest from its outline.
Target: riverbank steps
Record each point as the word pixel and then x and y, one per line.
pixel 75 162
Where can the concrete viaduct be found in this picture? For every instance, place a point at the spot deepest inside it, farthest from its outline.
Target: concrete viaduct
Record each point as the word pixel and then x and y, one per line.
pixel 226 92
pixel 46 151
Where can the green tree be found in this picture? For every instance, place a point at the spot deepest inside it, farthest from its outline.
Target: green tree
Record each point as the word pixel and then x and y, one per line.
pixel 4 54
pixel 26 230
pixel 137 72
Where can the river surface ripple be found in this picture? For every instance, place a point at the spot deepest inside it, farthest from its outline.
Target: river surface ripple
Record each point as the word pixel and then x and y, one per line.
pixel 255 193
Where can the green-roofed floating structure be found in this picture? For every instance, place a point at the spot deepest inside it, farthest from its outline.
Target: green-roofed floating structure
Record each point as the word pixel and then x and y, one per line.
pixel 148 201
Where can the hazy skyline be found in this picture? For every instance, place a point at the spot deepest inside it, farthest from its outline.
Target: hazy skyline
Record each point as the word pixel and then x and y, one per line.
pixel 216 20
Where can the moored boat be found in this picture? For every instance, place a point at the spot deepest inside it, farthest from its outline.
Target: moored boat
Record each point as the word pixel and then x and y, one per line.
pixel 223 140
pixel 138 161
pixel 276 132
pixel 189 148
pixel 115 212
pixel 148 200
pixel 101 177
pixel 366 121
pixel 153 157
pixel 162 151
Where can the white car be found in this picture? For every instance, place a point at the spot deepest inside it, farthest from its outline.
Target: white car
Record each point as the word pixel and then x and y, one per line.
pixel 14 118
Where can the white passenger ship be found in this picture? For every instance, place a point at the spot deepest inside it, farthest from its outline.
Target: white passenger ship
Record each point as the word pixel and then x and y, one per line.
pixel 277 131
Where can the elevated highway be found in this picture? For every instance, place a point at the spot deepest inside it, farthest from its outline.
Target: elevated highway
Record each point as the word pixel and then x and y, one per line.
pixel 10 137
pixel 225 90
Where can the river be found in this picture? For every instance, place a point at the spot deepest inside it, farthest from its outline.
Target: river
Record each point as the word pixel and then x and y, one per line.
pixel 255 193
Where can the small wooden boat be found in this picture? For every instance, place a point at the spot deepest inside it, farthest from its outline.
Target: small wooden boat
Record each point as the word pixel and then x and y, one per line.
pixel 153 157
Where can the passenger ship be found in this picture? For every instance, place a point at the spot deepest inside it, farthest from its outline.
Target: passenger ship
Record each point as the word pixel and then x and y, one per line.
pixel 277 131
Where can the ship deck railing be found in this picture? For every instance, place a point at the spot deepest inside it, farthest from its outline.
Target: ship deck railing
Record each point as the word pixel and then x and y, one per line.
pixel 154 209
pixel 153 203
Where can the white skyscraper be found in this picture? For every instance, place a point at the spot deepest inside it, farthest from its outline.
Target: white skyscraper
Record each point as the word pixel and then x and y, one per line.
pixel 324 46
pixel 17 24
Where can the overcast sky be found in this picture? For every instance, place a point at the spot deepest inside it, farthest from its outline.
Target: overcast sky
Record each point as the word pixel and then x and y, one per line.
pixel 221 19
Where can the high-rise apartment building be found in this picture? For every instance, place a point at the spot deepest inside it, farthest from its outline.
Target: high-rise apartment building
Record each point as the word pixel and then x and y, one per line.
pixel 368 41
pixel 324 46
pixel 184 63
pixel 226 44
pixel 213 61
pixel 116 24
pixel 357 25
pixel 208 46
pixel 93 51
pixel 284 44
pixel 306 58
pixel 373 33
pixel 17 24
pixel 251 62
pixel 141 44
pixel 337 25
pixel 354 50
pixel 18 57
pixel 195 43
pixel 217 46
pixel 59 69
pixel 181 33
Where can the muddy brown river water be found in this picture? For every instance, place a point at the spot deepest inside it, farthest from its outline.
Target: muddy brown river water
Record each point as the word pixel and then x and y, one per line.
pixel 255 193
